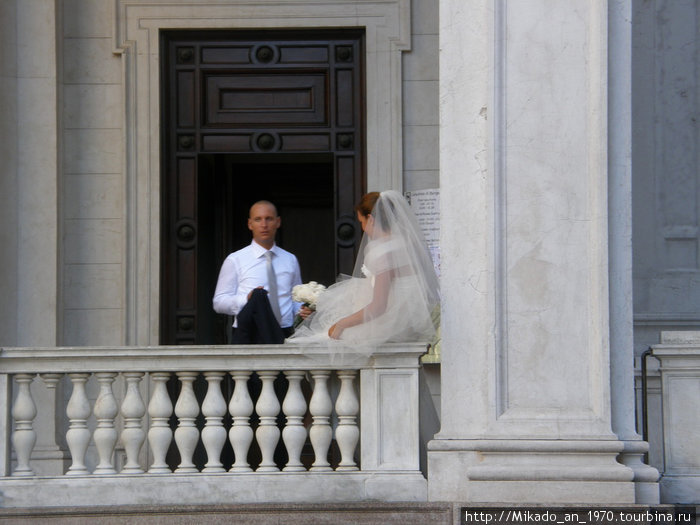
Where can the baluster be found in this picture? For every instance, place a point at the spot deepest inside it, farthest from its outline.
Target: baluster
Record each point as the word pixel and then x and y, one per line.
pixel 24 436
pixel 267 433
pixel 321 433
pixel 105 434
pixel 133 436
pixel 160 408
pixel 294 433
pixel 241 434
pixel 187 410
pixel 214 433
pixel 78 435
pixel 52 422
pixel 51 380
pixel 347 434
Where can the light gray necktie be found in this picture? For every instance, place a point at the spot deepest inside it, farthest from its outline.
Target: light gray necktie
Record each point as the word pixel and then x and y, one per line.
pixel 272 287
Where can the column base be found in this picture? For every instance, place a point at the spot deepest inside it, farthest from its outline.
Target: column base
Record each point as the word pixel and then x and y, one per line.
pixel 646 478
pixel 528 471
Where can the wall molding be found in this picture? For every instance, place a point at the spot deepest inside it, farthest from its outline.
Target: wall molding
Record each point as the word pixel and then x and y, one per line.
pixel 136 37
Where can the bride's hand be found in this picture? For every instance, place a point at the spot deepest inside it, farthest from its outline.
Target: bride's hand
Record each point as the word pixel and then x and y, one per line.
pixel 335 331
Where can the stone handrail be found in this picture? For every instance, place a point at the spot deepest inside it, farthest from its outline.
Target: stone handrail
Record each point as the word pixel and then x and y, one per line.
pixel 115 420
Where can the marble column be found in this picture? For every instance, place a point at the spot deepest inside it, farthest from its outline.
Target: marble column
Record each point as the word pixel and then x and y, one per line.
pixel 34 171
pixel 620 252
pixel 8 180
pixel 526 411
pixel 28 185
pixel 37 169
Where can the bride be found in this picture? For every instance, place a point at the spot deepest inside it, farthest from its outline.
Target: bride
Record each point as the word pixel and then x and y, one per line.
pixel 393 292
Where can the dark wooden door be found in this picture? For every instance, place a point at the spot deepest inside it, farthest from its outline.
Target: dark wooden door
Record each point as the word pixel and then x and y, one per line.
pixel 246 115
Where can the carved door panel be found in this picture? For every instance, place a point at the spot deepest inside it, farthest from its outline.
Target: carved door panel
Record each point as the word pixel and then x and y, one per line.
pixel 249 115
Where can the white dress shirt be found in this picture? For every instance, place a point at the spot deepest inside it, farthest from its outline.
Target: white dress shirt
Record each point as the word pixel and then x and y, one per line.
pixel 245 270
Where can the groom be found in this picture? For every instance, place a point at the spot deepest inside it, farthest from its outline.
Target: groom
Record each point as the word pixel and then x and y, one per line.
pixel 255 283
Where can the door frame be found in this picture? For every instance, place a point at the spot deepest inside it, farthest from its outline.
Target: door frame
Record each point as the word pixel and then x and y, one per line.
pixel 272 94
pixel 137 36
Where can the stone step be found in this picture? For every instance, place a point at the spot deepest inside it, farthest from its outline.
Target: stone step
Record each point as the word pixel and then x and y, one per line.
pixel 319 514
pixel 367 513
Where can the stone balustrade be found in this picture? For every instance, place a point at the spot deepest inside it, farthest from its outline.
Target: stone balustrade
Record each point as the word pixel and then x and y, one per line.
pixel 129 411
pixel 678 355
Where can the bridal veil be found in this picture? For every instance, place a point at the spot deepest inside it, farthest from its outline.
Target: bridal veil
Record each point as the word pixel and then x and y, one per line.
pixel 393 255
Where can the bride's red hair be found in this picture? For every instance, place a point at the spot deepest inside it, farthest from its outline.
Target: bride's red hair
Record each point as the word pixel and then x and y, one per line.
pixel 367 202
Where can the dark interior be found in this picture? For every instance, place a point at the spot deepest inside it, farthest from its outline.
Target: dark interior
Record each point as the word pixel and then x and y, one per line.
pixel 301 186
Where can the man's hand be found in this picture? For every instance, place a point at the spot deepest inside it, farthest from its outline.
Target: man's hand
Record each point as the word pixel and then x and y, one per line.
pixel 251 292
pixel 305 312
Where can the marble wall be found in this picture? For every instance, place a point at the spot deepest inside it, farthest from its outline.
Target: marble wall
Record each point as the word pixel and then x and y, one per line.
pixel 420 99
pixel 61 188
pixel 92 211
pixel 666 168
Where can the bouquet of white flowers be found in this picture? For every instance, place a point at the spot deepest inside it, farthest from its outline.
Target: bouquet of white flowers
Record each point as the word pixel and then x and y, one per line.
pixel 307 294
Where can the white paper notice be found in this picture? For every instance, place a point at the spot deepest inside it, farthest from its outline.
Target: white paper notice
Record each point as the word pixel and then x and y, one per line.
pixel 426 206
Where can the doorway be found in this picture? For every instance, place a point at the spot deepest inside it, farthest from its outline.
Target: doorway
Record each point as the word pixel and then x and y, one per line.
pixel 251 115
pixel 302 189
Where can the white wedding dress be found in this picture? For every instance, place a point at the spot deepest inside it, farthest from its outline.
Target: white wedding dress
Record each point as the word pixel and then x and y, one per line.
pixel 397 247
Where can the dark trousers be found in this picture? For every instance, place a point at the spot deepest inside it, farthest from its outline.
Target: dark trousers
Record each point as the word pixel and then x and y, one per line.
pixel 257 324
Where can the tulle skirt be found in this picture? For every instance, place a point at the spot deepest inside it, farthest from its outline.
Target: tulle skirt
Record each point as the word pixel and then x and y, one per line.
pixel 407 316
